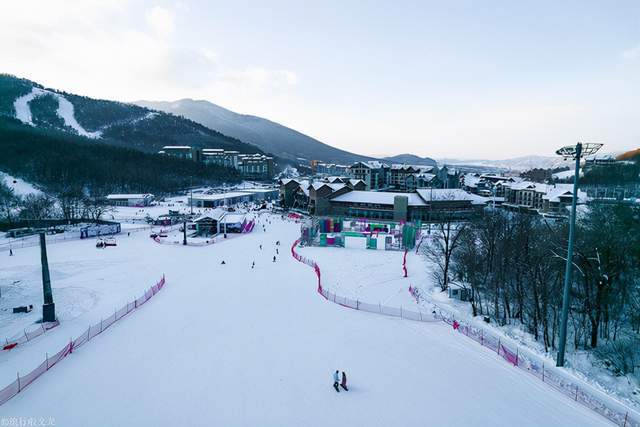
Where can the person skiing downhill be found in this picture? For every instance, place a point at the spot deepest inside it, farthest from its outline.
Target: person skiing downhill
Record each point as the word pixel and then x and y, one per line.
pixel 274 258
pixel 343 383
pixel 253 264
pixel 336 380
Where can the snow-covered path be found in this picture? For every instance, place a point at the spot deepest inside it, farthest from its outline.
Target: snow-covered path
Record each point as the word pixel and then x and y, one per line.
pixel 229 345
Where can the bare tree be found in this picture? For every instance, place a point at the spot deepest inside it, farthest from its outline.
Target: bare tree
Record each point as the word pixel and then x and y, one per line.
pixel 37 206
pixel 445 241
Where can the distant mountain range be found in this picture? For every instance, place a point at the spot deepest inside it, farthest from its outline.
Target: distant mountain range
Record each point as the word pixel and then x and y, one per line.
pixel 148 126
pixel 109 122
pixel 518 164
pixel 411 159
pixel 269 136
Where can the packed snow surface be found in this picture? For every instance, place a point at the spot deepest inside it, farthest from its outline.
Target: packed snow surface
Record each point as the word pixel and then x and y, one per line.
pixel 230 345
pixel 19 186
pixel 65 111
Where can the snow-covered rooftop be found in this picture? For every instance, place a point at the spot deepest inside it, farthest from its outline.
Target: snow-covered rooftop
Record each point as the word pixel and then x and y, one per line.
pixel 334 187
pixel 215 214
pixel 449 194
pixel 128 196
pixel 221 196
pixel 233 218
pixel 378 197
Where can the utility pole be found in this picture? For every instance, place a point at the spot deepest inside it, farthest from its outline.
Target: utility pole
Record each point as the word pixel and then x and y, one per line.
pixel 576 152
pixel 191 194
pixel 48 308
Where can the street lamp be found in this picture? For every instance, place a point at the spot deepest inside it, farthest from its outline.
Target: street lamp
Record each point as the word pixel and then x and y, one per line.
pixel 571 152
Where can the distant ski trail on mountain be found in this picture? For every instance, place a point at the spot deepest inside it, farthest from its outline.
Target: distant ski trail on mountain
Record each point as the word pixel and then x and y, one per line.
pixel 65 111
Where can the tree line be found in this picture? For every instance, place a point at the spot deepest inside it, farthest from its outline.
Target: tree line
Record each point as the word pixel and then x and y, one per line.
pixel 62 163
pixel 513 264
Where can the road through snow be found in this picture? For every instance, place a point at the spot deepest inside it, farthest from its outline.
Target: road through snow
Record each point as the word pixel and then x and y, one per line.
pixel 230 345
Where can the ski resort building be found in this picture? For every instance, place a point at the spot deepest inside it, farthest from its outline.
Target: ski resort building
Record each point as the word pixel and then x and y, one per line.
pixel 209 224
pixel 422 205
pixel 374 174
pixel 182 152
pixel 329 169
pixel 138 200
pixel 220 157
pixel 231 198
pixel 533 197
pixel 254 166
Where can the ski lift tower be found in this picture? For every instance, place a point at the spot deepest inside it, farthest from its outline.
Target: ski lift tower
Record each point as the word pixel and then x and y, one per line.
pixel 574 152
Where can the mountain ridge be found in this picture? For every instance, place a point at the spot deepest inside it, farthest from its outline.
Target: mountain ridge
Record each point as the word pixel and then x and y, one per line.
pixel 268 135
pixel 106 121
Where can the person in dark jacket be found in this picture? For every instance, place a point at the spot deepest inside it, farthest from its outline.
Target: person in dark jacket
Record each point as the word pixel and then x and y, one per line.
pixel 336 379
pixel 343 384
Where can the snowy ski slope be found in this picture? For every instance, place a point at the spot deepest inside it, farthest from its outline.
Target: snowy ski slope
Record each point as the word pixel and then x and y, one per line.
pixel 65 111
pixel 234 346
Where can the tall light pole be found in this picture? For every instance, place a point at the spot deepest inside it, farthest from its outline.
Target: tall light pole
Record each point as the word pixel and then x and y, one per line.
pixel 574 152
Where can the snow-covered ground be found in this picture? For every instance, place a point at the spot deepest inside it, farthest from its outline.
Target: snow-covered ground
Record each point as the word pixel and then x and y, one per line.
pixel 19 186
pixel 231 345
pixel 65 111
pixel 369 276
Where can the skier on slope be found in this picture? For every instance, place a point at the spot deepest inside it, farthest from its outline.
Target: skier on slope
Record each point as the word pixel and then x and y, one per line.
pixel 253 264
pixel 336 381
pixel 343 383
pixel 274 258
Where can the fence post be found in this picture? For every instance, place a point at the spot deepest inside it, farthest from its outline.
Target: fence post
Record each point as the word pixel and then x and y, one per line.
pixel 517 355
pixel 576 393
pixel 25 335
pixel 18 374
pixel 626 415
pixel 542 371
pixel 482 337
pixel 498 346
pixel 380 307
pixel 100 325
pixel 357 305
pixel 401 312
pixel 46 355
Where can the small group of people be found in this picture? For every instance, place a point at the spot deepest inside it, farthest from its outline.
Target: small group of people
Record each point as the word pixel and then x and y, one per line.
pixel 337 382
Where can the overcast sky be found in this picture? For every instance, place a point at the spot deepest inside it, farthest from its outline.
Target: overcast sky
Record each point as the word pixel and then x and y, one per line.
pixel 466 79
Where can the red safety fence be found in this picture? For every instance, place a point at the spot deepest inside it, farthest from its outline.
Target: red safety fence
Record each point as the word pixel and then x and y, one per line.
pixel 26 336
pixel 21 382
pixel 611 409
